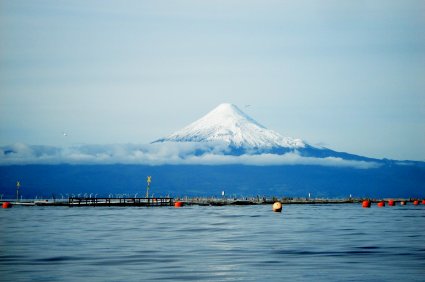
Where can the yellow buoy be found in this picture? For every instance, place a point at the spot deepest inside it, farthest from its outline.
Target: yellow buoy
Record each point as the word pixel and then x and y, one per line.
pixel 277 207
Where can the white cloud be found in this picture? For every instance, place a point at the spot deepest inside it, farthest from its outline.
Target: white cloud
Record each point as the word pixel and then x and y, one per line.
pixel 159 154
pixel 272 160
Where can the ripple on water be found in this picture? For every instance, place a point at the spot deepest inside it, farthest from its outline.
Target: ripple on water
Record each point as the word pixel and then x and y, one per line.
pixel 246 243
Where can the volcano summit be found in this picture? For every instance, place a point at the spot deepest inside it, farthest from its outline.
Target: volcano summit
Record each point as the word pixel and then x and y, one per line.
pixel 229 128
pixel 228 124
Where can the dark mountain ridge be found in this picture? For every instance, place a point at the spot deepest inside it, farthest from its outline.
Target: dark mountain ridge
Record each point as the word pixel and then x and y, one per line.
pixel 204 180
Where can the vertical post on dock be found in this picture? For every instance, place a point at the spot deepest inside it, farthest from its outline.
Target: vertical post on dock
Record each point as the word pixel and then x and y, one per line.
pixel 149 184
pixel 18 184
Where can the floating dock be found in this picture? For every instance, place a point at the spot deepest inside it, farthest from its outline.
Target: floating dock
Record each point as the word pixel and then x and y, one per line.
pixel 120 202
pixel 188 201
pixel 100 202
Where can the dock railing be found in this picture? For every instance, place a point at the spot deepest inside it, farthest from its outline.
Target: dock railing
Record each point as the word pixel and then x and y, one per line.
pixel 145 202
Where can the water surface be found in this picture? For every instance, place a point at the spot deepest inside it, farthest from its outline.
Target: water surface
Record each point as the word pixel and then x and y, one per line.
pixel 231 243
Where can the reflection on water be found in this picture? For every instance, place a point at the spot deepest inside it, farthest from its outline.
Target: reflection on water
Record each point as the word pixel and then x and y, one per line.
pixel 242 243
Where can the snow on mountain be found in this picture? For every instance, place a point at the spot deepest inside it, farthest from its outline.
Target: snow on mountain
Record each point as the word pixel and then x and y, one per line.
pixel 227 123
pixel 225 135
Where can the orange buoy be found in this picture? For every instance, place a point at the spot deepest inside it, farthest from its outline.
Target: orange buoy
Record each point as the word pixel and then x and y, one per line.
pixel 416 202
pixel 277 207
pixel 391 203
pixel 403 203
pixel 381 204
pixel 7 205
pixel 178 204
pixel 366 204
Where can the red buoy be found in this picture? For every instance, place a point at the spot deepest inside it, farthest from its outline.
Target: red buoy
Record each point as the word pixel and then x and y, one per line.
pixel 381 204
pixel 416 202
pixel 423 202
pixel 7 205
pixel 178 204
pixel 366 204
pixel 391 203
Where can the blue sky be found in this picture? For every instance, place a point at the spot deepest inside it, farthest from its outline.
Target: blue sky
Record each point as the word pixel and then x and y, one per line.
pixel 349 75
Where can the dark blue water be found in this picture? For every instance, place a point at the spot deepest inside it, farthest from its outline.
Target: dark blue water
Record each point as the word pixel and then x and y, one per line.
pixel 232 243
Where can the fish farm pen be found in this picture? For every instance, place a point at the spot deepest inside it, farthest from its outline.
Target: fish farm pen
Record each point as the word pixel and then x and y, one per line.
pixel 187 201
pixel 97 202
pixel 140 202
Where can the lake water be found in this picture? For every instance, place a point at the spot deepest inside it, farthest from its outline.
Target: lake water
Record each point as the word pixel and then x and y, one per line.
pixel 230 243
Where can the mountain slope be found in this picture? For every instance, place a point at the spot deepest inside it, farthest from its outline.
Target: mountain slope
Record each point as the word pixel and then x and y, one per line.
pixel 228 124
pixel 241 134
pixel 201 180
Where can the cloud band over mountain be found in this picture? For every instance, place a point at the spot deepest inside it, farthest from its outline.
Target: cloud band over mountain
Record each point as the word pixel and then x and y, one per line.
pixel 170 153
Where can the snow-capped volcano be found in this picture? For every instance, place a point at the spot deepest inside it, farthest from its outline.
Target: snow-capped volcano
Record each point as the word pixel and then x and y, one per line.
pixel 227 123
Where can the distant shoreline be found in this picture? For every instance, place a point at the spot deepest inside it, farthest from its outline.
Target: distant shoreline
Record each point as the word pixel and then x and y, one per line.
pixel 189 201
